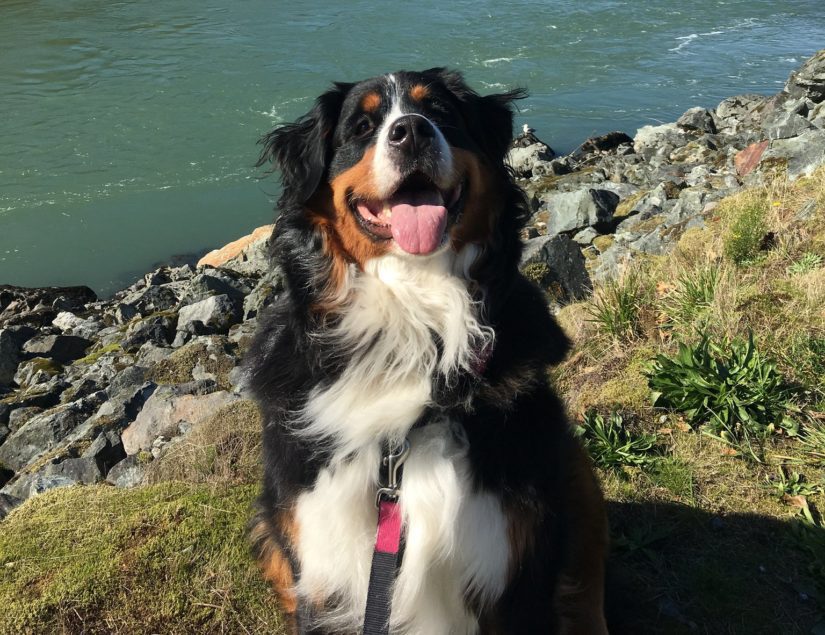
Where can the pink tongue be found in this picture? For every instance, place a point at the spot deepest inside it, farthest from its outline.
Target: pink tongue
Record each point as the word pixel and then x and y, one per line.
pixel 418 221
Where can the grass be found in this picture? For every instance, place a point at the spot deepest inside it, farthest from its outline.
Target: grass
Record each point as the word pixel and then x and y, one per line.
pixel 729 330
pixel 169 558
pixel 612 445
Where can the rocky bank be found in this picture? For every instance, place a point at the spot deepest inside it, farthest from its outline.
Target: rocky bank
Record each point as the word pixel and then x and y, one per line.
pixel 95 390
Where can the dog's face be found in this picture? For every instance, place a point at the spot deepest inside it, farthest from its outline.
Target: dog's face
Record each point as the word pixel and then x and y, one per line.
pixel 408 162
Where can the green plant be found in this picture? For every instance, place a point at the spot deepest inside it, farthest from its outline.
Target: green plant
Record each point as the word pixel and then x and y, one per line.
pixel 791 484
pixel 611 444
pixel 808 262
pixel 813 443
pixel 746 231
pixel 734 390
pixel 688 303
pixel 616 307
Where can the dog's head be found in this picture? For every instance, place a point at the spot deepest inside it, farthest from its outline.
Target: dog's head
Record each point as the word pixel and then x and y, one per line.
pixel 410 163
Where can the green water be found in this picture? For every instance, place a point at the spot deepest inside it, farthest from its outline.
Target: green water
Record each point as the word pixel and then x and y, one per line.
pixel 128 129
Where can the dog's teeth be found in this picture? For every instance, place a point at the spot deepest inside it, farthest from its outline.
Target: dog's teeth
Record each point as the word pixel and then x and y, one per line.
pixel 387 211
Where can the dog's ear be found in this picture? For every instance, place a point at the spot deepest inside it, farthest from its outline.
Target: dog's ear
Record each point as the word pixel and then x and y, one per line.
pixel 491 115
pixel 301 150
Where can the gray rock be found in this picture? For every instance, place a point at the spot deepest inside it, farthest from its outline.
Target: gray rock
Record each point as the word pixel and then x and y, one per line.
pixel 585 236
pixel 566 266
pixel 163 413
pixel 739 112
pixel 803 154
pixel 809 80
pixel 79 470
pixel 128 473
pixel 783 125
pixel 106 451
pixel 817 115
pixel 19 416
pixel 151 299
pixel 212 282
pixel 70 324
pixel 697 119
pixel 149 354
pixel 5 411
pixel 8 503
pixel 44 431
pixel 158 329
pixel 35 371
pixel 43 395
pixel 9 356
pixel 572 211
pixel 523 159
pixel 659 140
pixel 212 315
pixel 600 144
pixel 61 348
pixel 261 297
pixel 70 471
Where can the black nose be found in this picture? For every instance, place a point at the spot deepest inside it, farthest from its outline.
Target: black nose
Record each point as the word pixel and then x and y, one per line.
pixel 411 133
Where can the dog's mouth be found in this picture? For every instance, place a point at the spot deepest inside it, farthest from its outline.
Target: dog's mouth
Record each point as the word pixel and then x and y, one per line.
pixel 416 216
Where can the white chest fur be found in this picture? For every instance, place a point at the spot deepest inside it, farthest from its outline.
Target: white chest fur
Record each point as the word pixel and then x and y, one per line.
pixel 456 537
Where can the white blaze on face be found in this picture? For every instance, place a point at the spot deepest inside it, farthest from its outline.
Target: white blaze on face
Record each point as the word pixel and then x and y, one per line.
pixel 386 175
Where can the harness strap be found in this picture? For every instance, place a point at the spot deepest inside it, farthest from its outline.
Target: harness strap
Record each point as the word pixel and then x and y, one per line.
pixel 386 560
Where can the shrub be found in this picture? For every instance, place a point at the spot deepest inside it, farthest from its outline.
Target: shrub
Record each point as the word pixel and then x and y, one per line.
pixel 733 388
pixel 616 308
pixel 746 231
pixel 610 443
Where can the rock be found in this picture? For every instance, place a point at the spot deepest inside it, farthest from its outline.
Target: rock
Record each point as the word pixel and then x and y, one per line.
pixel 262 295
pixel 163 413
pixel 746 160
pixel 566 275
pixel 19 416
pixel 149 300
pixel 783 125
pixel 5 411
pixel 572 211
pixel 5 474
pixel 106 451
pixel 742 111
pixel 601 143
pixel 68 472
pixel 9 356
pixel 149 354
pixel 524 159
pixel 809 80
pixel 35 371
pixel 38 307
pixel 585 236
pixel 158 330
pixel 212 315
pixel 216 282
pixel 61 348
pixel 697 119
pixel 70 324
pixel 803 154
pixel 8 503
pixel 43 432
pixel 235 252
pixel 128 473
pixel 659 140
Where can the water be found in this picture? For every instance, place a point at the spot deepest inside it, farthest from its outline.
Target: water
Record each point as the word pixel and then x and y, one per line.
pixel 128 129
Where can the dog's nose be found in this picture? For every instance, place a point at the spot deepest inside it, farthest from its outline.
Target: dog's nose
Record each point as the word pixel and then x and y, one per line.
pixel 411 133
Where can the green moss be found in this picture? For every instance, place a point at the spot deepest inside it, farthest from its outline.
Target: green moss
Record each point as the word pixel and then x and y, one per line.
pixel 92 357
pixel 177 368
pixel 674 475
pixel 626 207
pixel 170 558
pixel 627 388
pixel 536 272
pixel 602 243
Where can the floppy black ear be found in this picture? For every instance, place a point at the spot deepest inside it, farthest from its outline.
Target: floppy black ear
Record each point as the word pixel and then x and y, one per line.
pixel 301 150
pixel 491 115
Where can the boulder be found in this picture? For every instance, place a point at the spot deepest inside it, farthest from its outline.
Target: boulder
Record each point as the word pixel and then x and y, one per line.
pixel 566 275
pixel 70 324
pixel 740 112
pixel 523 160
pixel 215 314
pixel 165 411
pixel 697 119
pixel 599 144
pixel 213 282
pixel 32 372
pixel 746 160
pixel 38 307
pixel 659 140
pixel 128 473
pixel 106 451
pixel 238 251
pixel 781 124
pixel 572 211
pixel 60 348
pixel 802 154
pixel 809 80
pixel 8 503
pixel 9 356
pixel 158 329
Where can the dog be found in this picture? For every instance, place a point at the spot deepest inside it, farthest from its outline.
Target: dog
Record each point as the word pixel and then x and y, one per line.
pixel 406 320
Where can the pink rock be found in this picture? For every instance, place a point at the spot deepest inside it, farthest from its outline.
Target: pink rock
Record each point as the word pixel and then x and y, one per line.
pixel 746 160
pixel 218 257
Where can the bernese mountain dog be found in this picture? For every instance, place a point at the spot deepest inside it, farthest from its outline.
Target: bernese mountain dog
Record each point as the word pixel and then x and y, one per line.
pixel 406 320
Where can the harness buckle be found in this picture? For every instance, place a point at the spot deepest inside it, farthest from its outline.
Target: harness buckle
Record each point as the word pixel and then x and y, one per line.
pixel 393 461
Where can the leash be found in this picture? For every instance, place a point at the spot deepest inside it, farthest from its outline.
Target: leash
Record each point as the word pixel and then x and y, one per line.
pixel 388 551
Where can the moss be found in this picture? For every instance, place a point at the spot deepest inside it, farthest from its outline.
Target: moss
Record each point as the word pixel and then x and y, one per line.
pixel 169 558
pixel 536 272
pixel 602 243
pixel 626 207
pixel 674 475
pixel 627 388
pixel 178 367
pixel 92 357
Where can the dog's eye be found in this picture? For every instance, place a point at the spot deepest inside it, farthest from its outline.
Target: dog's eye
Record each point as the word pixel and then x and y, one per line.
pixel 363 127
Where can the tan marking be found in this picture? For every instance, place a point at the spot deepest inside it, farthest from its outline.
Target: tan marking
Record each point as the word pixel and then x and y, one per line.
pixel 275 566
pixel 371 102
pixel 419 92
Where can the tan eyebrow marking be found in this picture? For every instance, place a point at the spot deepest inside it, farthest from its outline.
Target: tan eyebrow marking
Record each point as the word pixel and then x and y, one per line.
pixel 419 92
pixel 371 102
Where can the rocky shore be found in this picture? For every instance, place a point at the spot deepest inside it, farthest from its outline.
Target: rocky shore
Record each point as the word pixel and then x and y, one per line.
pixel 97 390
